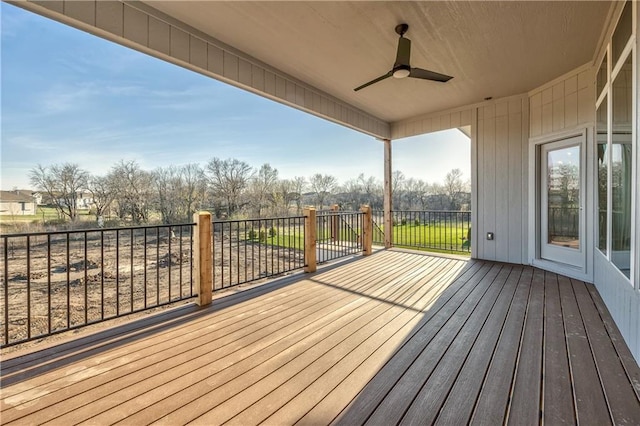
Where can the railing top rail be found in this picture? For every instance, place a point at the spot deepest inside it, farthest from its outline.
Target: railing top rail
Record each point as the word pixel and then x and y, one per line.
pixel 429 211
pixel 80 231
pixel 257 219
pixel 338 213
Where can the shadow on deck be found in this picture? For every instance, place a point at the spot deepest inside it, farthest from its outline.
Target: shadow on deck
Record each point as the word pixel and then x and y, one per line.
pixel 393 338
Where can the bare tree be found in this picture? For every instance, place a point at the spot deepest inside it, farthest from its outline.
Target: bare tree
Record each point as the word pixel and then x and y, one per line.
pixel 412 193
pixel 352 192
pixel 453 187
pixel 103 192
pixel 322 186
pixel 284 195
pixel 228 179
pixel 195 188
pixel 423 190
pixel 372 190
pixel 62 183
pixel 299 185
pixel 397 187
pixel 134 191
pixel 262 188
pixel 168 185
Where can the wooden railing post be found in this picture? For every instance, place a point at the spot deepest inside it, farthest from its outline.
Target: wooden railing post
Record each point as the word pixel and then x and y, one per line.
pixel 310 239
pixel 203 259
pixel 367 230
pixel 335 220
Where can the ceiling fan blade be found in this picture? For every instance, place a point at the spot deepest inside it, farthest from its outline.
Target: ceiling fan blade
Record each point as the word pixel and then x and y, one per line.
pixel 382 77
pixel 403 56
pixel 429 75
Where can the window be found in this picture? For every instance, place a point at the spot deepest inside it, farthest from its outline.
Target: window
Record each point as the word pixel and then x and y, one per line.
pixel 601 79
pixel 623 32
pixel 615 141
pixel 603 177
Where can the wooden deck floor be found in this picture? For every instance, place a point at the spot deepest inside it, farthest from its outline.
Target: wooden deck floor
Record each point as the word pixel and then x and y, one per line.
pixel 393 338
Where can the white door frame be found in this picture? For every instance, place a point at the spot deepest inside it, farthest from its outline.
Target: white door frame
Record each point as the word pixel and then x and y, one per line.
pixel 585 272
pixel 570 256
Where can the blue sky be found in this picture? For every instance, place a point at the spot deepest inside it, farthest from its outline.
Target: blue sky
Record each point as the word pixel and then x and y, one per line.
pixel 68 96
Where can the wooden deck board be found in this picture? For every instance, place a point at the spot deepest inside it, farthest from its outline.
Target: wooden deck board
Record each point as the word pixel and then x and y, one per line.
pixel 274 357
pixel 623 404
pixel 197 358
pixel 434 337
pixel 395 337
pixel 436 388
pixel 557 405
pixel 525 399
pixel 492 403
pixel 460 403
pixel 591 406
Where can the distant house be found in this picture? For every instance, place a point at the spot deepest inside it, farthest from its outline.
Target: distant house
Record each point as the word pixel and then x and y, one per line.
pixel 84 200
pixel 18 202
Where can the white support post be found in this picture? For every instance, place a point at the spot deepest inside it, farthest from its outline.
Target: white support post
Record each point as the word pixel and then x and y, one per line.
pixel 388 207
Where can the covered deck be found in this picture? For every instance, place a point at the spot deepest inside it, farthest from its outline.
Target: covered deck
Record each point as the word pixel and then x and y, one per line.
pixel 395 337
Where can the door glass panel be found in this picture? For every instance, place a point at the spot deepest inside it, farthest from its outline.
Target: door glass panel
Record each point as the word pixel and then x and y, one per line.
pixel 603 177
pixel 563 197
pixel 621 168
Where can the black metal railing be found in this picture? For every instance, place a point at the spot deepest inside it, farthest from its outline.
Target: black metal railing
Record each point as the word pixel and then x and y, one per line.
pixel 338 234
pixel 378 224
pixel 564 222
pixel 448 231
pixel 253 249
pixel 58 281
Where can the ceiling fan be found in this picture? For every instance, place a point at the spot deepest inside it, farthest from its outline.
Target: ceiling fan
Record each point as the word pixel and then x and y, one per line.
pixel 401 67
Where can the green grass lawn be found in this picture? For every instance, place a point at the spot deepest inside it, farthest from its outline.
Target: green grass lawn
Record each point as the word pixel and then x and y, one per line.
pixel 45 214
pixel 432 237
pixel 280 237
pixel 285 238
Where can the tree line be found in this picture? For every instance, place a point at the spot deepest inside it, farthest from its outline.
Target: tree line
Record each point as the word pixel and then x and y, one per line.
pixel 229 188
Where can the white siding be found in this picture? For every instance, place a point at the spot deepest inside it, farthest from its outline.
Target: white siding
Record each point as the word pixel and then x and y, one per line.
pixel 622 301
pixel 433 123
pixel 499 171
pixel 142 28
pixel 16 208
pixel 565 104
pixel 501 180
pixel 563 108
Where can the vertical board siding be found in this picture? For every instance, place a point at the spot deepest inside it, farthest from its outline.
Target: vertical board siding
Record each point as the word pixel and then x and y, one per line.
pixel 432 123
pixel 110 16
pixel 138 26
pixel 516 231
pixel 500 160
pixel 135 26
pixel 502 175
pixel 565 105
pixel 623 302
pixel 198 52
pixel 502 179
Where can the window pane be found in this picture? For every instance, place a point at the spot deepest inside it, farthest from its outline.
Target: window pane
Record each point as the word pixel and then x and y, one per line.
pixel 603 161
pixel 622 32
pixel 601 79
pixel 621 168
